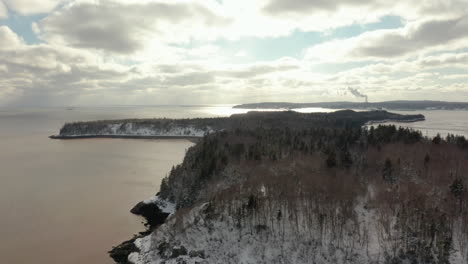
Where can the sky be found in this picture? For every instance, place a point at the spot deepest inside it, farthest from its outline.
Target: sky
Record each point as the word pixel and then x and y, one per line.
pixel 150 52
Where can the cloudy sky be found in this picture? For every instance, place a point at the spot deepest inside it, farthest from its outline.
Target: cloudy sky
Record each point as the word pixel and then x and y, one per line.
pixel 141 52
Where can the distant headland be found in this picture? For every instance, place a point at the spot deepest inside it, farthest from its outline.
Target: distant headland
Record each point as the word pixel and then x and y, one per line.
pixel 389 105
pixel 199 127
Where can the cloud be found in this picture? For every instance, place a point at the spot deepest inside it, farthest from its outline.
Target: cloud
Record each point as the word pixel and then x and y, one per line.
pixel 8 39
pixel 443 60
pixel 438 63
pixel 91 24
pixel 194 75
pixel 128 26
pixel 48 74
pixel 161 51
pixel 33 74
pixel 3 11
pixel 406 9
pixel 256 70
pixel 276 7
pixel 414 38
pixel 327 15
pixel 31 7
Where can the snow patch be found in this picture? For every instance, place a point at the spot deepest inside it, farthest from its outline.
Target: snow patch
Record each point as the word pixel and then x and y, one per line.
pixel 165 205
pixel 131 129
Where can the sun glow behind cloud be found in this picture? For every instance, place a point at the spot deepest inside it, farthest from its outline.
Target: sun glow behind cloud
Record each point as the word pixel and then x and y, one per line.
pixel 88 52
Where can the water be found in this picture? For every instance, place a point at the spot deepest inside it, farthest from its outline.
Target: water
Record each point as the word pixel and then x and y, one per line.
pixel 69 201
pixel 441 122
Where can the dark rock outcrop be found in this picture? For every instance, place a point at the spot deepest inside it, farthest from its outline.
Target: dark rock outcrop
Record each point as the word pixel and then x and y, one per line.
pixel 151 212
pixel 178 251
pixel 120 253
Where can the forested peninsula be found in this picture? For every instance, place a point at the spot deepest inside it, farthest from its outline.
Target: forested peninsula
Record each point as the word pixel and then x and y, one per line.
pixel 198 127
pixel 286 187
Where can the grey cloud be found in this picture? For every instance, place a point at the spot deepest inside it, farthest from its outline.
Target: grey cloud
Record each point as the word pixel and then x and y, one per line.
pixel 120 28
pixel 196 77
pixel 256 70
pixel 41 74
pixel 3 10
pixel 422 8
pixel 207 76
pixel 444 60
pixel 178 68
pixel 397 43
pixel 191 78
pixel 55 75
pixel 28 7
pixel 275 7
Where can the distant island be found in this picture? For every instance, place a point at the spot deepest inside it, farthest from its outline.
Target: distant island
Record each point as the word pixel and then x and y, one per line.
pixel 388 105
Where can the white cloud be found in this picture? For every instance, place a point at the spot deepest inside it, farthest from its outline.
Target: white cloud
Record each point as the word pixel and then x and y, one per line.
pixel 8 39
pixel 31 7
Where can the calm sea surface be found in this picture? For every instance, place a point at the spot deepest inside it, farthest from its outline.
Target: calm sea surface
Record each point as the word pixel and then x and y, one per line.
pixel 69 201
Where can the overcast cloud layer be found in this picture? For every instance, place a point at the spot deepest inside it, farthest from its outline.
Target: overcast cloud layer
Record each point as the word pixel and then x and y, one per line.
pixel 101 52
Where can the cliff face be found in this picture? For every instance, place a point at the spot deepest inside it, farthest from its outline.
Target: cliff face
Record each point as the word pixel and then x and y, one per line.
pixel 321 195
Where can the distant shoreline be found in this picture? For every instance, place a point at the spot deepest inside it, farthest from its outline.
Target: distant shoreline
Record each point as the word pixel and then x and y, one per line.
pixel 385 105
pixel 191 138
pixel 393 121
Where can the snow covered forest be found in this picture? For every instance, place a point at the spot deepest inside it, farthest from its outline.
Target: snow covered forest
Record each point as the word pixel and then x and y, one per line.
pixel 337 194
pixel 198 127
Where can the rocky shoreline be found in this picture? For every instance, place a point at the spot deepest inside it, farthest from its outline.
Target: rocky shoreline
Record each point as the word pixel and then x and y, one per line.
pixel 155 212
pixel 61 137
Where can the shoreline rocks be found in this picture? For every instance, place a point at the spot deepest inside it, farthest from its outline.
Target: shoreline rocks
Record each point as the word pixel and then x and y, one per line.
pixel 155 211
pixel 120 253
pixel 64 137
pixel 151 212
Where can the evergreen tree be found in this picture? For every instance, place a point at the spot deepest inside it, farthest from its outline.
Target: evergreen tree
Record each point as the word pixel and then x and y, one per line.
pixel 387 171
pixel 331 159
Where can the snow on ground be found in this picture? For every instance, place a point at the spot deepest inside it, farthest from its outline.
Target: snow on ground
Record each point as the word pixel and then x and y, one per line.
pixel 222 237
pixel 222 241
pixel 130 129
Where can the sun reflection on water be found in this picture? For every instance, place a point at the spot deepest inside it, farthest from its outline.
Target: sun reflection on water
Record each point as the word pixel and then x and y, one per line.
pixel 228 110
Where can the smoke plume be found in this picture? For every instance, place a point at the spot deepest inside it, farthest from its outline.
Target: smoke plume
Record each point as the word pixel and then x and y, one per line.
pixel 356 93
